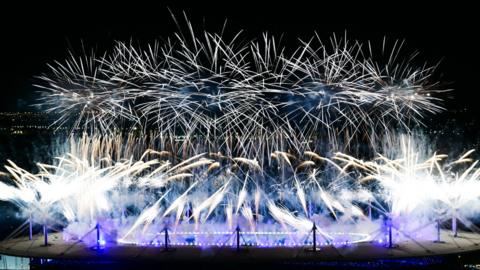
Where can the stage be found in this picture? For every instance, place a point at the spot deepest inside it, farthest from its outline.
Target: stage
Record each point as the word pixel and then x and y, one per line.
pixel 60 249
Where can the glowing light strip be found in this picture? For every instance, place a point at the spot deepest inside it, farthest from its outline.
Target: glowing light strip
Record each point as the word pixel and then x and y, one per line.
pixel 362 237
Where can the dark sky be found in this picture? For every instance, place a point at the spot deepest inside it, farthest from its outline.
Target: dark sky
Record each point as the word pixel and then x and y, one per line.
pixel 37 35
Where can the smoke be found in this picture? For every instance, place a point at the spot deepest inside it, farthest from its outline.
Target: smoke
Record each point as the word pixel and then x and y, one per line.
pixel 133 196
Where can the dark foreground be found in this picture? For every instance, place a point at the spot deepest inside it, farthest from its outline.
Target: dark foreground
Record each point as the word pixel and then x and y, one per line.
pixel 469 260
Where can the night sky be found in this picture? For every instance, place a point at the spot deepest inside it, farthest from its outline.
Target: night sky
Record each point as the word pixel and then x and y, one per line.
pixel 36 35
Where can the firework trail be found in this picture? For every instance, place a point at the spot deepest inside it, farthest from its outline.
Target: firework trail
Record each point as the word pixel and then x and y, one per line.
pixel 332 192
pixel 217 88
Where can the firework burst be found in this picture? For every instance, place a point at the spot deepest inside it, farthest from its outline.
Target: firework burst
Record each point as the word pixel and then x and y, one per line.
pixel 210 86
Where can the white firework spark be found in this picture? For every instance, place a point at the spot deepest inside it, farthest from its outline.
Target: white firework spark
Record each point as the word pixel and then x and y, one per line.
pixel 215 87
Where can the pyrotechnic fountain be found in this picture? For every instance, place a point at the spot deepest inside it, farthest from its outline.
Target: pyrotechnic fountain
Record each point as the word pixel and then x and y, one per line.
pixel 201 142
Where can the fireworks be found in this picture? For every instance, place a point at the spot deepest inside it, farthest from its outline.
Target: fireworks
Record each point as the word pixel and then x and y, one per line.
pixel 212 87
pixel 189 195
pixel 201 134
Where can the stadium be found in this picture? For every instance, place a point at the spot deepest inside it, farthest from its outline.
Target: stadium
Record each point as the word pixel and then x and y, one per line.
pixel 204 149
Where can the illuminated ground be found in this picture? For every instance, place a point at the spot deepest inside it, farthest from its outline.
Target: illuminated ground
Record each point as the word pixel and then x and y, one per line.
pixel 59 249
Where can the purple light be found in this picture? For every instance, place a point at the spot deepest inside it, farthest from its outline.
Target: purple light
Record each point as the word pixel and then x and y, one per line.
pixel 251 239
